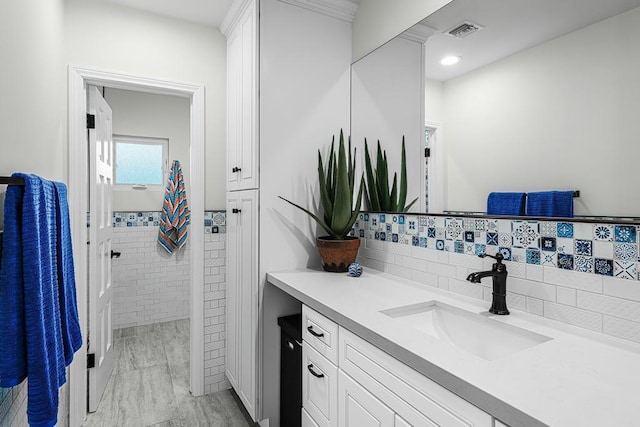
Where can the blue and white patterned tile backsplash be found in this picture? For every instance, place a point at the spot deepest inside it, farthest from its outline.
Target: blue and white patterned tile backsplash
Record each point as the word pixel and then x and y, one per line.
pixel 214 221
pixel 606 249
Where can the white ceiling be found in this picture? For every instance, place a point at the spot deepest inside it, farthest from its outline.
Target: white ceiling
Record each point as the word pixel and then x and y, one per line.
pixel 510 27
pixel 207 12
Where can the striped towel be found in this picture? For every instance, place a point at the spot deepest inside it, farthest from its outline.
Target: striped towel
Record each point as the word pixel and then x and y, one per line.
pixel 175 216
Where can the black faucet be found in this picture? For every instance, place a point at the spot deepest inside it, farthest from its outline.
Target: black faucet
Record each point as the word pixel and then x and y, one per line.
pixel 499 274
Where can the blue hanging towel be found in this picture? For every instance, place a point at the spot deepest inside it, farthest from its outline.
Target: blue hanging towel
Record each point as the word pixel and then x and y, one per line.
pixel 69 321
pixel 175 215
pixel 506 203
pixel 35 275
pixel 550 204
pixel 13 349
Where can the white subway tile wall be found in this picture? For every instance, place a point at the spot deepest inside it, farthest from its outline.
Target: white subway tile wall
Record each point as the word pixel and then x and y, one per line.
pixel 583 274
pixel 152 286
pixel 215 282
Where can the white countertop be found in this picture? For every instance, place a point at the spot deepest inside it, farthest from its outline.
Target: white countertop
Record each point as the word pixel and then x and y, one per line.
pixel 578 378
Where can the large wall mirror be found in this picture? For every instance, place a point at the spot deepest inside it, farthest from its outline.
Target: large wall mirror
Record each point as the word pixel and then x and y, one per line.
pixel 546 96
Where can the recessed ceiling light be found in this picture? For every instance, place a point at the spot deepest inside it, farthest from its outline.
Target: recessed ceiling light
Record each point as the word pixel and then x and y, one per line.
pixel 450 60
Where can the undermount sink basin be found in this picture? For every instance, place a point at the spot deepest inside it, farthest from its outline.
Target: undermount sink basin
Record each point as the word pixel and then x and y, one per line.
pixel 475 333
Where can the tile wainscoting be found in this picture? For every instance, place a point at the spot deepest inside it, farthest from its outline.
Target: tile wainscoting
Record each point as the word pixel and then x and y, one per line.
pixel 153 286
pixel 584 274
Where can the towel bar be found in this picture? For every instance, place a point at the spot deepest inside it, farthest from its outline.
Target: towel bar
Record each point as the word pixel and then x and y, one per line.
pixel 9 180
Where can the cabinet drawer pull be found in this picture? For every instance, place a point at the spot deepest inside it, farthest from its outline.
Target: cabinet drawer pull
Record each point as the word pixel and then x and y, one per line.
pixel 314 333
pixel 314 373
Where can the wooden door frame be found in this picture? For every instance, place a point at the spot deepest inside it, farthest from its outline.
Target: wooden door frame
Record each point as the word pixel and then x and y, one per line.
pixel 78 79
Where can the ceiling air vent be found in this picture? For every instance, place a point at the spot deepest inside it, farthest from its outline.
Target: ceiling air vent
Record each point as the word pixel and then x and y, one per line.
pixel 465 29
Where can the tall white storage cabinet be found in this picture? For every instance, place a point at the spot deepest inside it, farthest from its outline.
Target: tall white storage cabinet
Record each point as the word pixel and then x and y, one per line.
pixel 242 295
pixel 242 98
pixel 241 29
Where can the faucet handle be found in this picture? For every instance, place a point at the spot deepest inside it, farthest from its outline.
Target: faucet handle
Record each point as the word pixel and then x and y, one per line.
pixel 498 257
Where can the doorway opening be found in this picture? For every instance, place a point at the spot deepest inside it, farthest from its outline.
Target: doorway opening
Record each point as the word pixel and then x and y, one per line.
pixel 79 81
pixel 433 169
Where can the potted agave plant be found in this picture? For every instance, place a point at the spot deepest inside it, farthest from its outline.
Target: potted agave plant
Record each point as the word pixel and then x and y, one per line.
pixel 337 183
pixel 379 198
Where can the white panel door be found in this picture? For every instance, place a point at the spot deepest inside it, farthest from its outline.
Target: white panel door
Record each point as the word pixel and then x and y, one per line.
pixel 242 101
pixel 233 113
pixel 100 238
pixel 234 261
pixel 242 295
pixel 359 408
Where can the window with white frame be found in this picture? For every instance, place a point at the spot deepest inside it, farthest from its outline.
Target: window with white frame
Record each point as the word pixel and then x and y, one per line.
pixel 140 162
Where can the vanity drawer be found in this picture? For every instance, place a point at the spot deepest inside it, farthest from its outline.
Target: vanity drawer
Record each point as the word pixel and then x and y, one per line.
pixel 411 395
pixel 319 387
pixel 320 333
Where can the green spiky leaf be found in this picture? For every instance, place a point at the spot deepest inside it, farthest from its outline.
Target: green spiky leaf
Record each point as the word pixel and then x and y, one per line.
pixel 379 198
pixel 402 195
pixel 337 183
pixel 372 193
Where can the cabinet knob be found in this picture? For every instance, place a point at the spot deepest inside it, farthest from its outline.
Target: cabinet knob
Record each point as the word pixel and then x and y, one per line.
pixel 236 169
pixel 234 210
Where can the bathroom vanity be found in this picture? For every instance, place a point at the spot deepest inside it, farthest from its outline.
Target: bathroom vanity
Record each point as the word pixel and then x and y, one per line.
pixel 381 350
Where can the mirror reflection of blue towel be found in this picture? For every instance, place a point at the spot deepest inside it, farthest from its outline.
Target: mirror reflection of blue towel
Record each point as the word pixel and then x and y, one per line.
pixel 506 203
pixel 550 204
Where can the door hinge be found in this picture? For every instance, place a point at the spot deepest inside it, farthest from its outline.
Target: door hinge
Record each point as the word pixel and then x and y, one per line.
pixel 427 152
pixel 91 121
pixel 91 360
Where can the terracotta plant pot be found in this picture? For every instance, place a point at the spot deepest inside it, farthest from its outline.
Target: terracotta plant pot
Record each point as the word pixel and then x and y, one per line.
pixel 337 254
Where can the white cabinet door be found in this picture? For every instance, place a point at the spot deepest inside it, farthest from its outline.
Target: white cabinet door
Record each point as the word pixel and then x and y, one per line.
pixel 319 387
pixel 307 421
pixel 401 423
pixel 359 408
pixel 242 100
pixel 242 295
pixel 414 397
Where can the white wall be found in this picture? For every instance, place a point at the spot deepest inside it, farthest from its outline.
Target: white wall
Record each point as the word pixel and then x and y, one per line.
pixel 32 125
pixel 33 90
pixel 108 36
pixel 386 105
pixel 561 115
pixel 378 21
pixel 150 115
pixel 304 88
pixel 433 100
